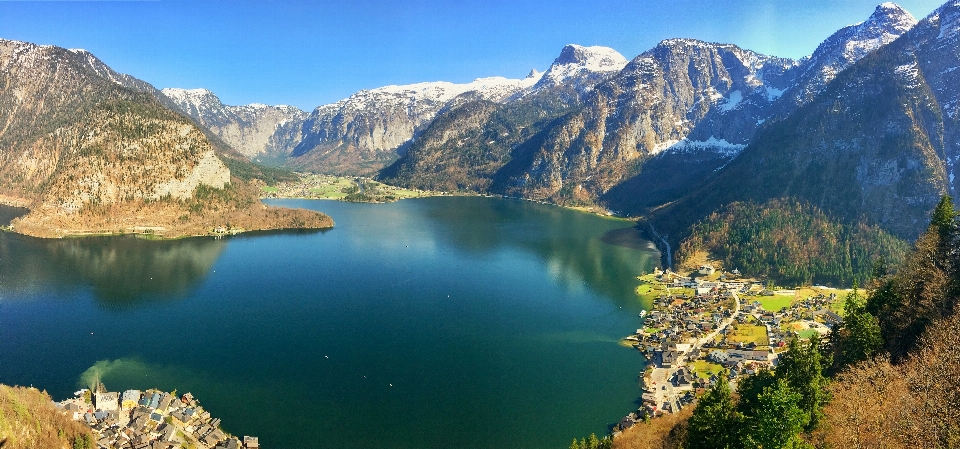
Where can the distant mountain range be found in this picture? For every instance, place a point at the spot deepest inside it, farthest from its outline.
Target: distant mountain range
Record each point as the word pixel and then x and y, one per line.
pixel 863 129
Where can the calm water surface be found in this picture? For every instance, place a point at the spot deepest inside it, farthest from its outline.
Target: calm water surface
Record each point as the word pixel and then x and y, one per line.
pixel 429 323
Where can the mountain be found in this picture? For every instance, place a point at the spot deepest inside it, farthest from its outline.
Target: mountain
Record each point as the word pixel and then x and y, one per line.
pixel 676 172
pixel 368 130
pixel 842 49
pixel 681 89
pixel 471 140
pixel 579 68
pixel 372 128
pixel 880 143
pixel 89 150
pixel 255 130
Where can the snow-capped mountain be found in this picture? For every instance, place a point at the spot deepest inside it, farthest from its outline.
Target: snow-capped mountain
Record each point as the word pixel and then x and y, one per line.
pixel 845 47
pixel 880 142
pixel 681 89
pixel 372 127
pixel 362 133
pixel 254 130
pixel 580 68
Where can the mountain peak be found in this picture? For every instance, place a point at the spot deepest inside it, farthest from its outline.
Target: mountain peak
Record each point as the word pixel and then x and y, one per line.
pixel 596 58
pixel 892 17
pixel 534 73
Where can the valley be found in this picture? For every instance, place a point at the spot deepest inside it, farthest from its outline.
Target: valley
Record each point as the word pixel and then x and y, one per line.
pixel 762 193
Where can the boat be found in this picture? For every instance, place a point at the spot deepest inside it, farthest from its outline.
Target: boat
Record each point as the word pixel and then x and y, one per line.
pixel 643 313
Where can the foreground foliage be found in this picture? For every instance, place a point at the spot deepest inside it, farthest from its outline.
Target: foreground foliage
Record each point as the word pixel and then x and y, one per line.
pixel 28 419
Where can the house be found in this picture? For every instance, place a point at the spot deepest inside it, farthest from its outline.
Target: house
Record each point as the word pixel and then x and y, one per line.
pixel 129 399
pixel 682 378
pixel 107 401
pixel 718 355
pixel 758 356
pixel 706 269
pixel 670 358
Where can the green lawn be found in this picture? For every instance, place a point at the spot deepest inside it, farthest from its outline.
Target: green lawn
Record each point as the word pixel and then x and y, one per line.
pixel 704 369
pixel 807 333
pixel 745 333
pixel 269 189
pixel 774 303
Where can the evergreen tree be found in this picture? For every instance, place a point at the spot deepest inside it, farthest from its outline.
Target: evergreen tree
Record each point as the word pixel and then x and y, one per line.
pixel 802 368
pixel 750 387
pixel 715 422
pixel 944 217
pixel 858 337
pixel 777 420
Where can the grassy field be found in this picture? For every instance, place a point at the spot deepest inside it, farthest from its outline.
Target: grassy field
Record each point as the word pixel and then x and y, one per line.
pixel 704 369
pixel 747 333
pixel 340 188
pixel 774 303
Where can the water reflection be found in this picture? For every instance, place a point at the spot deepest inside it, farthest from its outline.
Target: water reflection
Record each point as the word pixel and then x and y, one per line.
pixel 9 213
pixel 575 246
pixel 121 271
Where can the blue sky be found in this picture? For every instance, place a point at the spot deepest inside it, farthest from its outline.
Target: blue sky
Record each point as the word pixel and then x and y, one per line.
pixel 308 53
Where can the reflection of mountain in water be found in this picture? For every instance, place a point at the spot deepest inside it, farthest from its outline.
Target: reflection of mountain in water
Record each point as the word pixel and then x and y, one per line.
pixel 120 270
pixel 8 213
pixel 576 246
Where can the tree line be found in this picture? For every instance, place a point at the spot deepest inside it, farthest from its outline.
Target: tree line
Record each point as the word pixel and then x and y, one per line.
pixel 792 243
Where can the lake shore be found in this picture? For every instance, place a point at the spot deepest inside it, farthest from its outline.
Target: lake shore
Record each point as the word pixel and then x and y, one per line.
pixel 164 219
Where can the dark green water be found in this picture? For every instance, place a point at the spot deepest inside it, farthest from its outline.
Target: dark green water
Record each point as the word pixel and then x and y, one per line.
pixel 495 321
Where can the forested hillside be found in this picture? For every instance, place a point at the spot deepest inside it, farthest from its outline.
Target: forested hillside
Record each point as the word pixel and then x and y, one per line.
pixel 792 243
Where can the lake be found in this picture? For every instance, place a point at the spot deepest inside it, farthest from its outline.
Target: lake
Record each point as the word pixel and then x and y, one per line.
pixel 429 323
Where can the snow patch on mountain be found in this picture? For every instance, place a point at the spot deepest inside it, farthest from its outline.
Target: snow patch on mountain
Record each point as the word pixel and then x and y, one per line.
pixel 850 44
pixel 732 101
pixel 720 146
pixel 581 67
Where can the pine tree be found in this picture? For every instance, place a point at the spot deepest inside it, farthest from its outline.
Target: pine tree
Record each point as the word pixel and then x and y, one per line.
pixel 715 422
pixel 858 337
pixel 802 368
pixel 777 420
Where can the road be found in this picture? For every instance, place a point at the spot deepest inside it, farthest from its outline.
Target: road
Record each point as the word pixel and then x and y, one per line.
pixel 663 389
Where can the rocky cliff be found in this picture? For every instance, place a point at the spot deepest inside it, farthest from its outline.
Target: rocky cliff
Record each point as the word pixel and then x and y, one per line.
pixel 75 141
pixel 681 89
pixel 257 131
pixel 880 142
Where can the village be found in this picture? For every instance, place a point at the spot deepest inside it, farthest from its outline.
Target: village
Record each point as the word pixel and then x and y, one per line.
pixel 150 419
pixel 710 326
pixel 356 189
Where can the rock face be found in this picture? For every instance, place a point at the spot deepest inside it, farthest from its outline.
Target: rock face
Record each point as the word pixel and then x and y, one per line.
pixel 881 141
pixel 257 131
pixel 89 150
pixel 681 89
pixel 371 128
pixel 676 172
pixel 209 171
pixel 74 137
